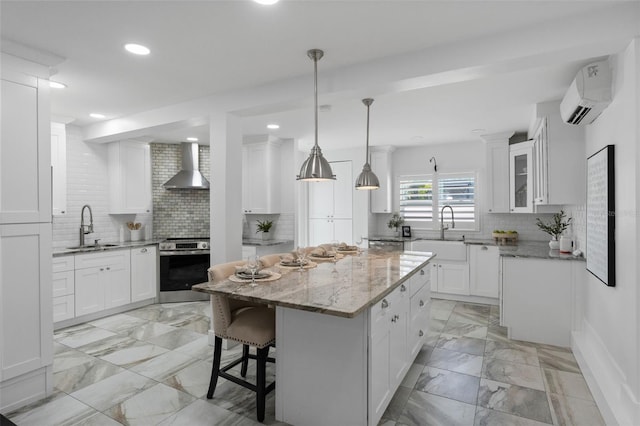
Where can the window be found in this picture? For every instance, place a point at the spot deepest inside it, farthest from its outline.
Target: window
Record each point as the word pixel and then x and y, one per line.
pixel 419 204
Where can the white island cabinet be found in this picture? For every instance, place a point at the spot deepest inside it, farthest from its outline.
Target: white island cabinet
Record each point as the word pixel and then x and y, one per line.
pixel 346 333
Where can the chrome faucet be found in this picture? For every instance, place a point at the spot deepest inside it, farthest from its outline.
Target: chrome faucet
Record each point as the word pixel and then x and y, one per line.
pixel 442 225
pixel 85 229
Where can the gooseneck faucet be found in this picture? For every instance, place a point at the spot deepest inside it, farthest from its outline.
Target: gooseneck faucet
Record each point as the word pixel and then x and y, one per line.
pixel 85 229
pixel 442 225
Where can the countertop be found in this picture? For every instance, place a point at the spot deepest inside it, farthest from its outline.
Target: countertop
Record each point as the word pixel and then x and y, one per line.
pixel 356 283
pixel 105 247
pixel 390 238
pixel 260 242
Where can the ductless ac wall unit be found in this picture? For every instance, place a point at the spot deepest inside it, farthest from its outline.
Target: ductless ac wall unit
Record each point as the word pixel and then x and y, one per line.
pixel 588 95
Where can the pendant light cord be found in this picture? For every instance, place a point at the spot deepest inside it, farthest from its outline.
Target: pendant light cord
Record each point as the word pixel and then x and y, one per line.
pixel 366 160
pixel 315 94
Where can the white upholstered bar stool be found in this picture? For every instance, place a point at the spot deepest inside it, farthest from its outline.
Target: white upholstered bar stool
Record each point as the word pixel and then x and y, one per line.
pixel 248 323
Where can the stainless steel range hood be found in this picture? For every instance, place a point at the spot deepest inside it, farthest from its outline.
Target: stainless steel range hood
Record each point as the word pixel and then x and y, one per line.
pixel 189 177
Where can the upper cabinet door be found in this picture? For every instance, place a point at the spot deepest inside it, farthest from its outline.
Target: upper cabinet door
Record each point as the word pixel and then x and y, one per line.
pixel 25 174
pixel 521 177
pixel 343 188
pixel 130 178
pixel 261 178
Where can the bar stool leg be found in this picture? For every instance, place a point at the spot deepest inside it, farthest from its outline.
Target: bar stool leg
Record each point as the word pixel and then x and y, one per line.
pixel 217 354
pixel 245 360
pixel 261 358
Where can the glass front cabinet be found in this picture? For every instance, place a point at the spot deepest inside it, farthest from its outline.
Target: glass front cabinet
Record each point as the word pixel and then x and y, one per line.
pixel 521 177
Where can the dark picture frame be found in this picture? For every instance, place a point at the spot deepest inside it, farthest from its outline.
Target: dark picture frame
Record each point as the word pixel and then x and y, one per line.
pixel 406 231
pixel 601 247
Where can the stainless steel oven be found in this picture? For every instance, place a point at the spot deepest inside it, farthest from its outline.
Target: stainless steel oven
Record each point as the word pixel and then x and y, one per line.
pixel 183 263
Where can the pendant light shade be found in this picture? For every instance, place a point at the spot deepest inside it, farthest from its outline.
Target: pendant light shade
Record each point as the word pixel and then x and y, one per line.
pixel 367 179
pixel 316 168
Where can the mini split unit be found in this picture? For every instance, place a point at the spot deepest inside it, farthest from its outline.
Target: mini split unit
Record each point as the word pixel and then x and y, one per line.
pixel 588 95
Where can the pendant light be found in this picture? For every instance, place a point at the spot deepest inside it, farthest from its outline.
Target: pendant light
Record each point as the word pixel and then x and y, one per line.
pixel 367 179
pixel 316 168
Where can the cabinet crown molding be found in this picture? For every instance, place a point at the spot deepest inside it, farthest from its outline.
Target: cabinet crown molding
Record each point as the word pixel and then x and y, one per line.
pixel 496 137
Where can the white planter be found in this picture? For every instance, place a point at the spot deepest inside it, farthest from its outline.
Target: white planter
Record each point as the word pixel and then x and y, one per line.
pixel 267 236
pixel 554 244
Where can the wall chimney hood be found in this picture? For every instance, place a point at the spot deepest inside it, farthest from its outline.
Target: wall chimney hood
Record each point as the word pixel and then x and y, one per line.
pixel 189 177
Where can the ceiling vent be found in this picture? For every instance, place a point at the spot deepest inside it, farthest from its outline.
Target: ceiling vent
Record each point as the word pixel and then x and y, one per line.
pixel 588 95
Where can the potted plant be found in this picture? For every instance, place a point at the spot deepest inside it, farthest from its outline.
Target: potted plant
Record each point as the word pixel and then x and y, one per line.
pixel 264 226
pixel 555 228
pixel 395 221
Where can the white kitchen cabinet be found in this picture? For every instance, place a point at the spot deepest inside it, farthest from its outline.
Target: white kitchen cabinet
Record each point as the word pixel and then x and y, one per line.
pixel 559 152
pixel 381 198
pixel 537 298
pixel 129 178
pixel 450 277
pixel 521 183
pixel 58 169
pixel 419 310
pixel 144 273
pixel 484 271
pixel 63 286
pixel 261 177
pixel 102 281
pixel 498 175
pixel 331 207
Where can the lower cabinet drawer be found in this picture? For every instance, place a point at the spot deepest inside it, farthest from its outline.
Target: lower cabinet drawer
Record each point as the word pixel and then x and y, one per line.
pixel 63 283
pixel 63 307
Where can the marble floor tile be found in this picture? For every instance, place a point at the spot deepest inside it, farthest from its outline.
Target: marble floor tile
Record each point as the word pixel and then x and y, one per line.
pixel 464 329
pixel 386 422
pixel 84 336
pixel 558 360
pixel 69 358
pixel 432 338
pixel 397 404
pixel 201 413
pixel 516 374
pixel 60 411
pixel 82 375
pixel 200 324
pixel 570 411
pixel 487 417
pixel 456 361
pixel 59 347
pixel 134 355
pixel 467 345
pixel 423 356
pixel 443 303
pixel 112 390
pixel 118 323
pixel 472 308
pixel 108 345
pixel 423 409
pixel 150 312
pixel 243 401
pixel 163 366
pixel 412 375
pixel 514 399
pixel 497 333
pixel 199 348
pixel 565 383
pixel 69 331
pixel 461 387
pixel 98 419
pixel 436 325
pixel 175 338
pixel 469 318
pixel 148 330
pixel 198 308
pixel 441 314
pixel 513 352
pixel 193 379
pixel 150 406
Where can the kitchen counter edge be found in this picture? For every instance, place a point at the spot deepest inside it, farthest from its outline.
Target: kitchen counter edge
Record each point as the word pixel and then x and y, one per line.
pixel 117 246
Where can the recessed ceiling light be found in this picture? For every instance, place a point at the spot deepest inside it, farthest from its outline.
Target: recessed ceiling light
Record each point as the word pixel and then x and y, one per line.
pixel 273 126
pixel 96 115
pixel 137 49
pixel 266 2
pixel 191 139
pixel 56 85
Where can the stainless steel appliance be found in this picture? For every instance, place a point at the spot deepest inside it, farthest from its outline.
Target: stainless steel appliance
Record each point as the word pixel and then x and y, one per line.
pixel 183 263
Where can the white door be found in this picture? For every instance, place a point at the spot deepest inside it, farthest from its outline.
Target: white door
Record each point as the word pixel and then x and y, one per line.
pixel 320 200
pixel 343 230
pixel 320 231
pixel 343 190
pixel 453 278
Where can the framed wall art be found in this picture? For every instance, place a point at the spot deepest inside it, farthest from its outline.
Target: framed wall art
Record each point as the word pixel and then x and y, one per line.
pixel 601 247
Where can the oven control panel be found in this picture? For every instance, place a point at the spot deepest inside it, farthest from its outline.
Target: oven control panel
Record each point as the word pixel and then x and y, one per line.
pixel 184 245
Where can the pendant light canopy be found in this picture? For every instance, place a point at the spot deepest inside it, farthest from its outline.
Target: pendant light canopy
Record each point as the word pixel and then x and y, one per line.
pixel 367 179
pixel 316 168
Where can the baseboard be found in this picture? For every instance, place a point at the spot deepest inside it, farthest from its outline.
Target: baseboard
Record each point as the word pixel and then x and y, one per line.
pixel 607 382
pixel 25 389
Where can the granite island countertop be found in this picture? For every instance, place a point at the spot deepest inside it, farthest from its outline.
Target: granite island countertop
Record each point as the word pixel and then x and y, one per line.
pixel 345 289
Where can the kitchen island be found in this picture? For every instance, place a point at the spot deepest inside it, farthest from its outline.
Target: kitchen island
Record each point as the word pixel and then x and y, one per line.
pixel 346 333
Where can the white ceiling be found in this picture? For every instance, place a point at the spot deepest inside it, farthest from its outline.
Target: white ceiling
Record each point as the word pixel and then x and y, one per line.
pixel 200 48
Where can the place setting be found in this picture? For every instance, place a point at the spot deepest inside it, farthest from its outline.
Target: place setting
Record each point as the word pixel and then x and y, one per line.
pixel 323 255
pixel 253 273
pixel 297 260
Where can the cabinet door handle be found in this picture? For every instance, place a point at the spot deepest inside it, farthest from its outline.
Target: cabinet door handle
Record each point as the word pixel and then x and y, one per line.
pixel 385 304
pixel 403 288
pixel 484 248
pixel 439 266
pixel 421 303
pixel 102 269
pixel 108 268
pixel 144 250
pixel 421 333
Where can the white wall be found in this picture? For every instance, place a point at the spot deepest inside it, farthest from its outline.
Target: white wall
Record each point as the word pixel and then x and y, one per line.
pixel 609 342
pixel 452 158
pixel 88 183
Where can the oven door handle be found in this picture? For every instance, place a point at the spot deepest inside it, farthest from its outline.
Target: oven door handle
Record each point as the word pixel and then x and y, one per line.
pixel 183 252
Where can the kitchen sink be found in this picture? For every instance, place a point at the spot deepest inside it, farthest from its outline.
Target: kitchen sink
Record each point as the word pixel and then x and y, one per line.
pixel 92 246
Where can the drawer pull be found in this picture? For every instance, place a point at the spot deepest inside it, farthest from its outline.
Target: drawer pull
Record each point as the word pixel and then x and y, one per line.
pixel 403 288
pixel 385 304
pixel 420 333
pixel 484 248
pixel 102 269
pixel 421 303
pixel 108 268
pixel 144 250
